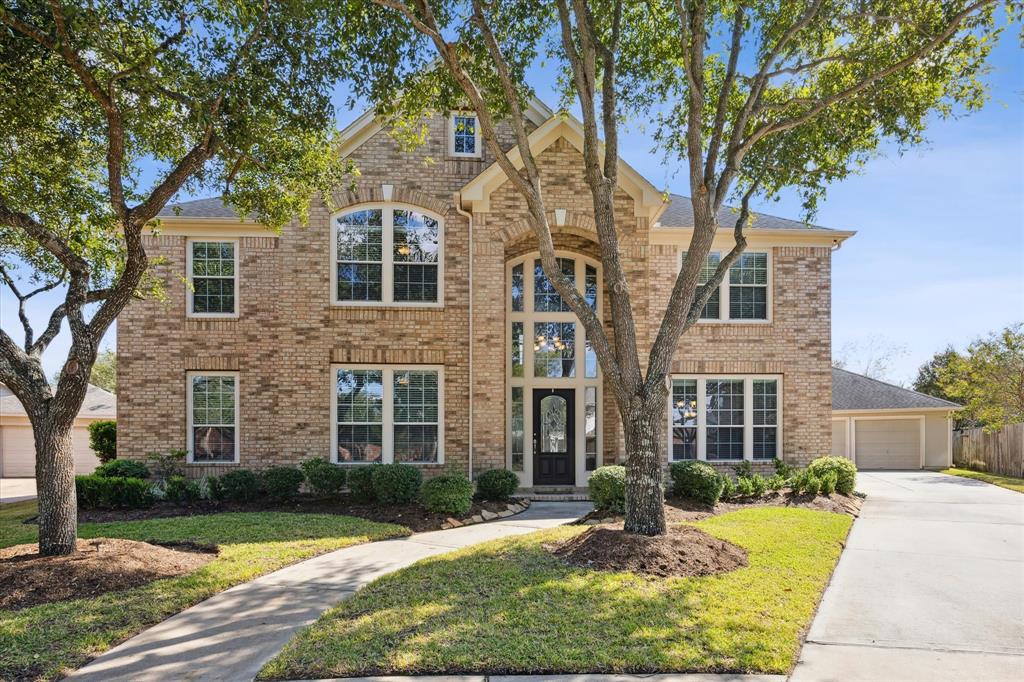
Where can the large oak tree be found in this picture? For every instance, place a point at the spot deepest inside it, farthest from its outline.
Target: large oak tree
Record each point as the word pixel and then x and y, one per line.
pixel 749 99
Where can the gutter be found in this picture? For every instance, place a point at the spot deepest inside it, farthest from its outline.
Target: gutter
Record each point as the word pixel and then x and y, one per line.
pixel 469 217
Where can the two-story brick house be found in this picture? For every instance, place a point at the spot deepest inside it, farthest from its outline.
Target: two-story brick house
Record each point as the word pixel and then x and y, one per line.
pixel 413 323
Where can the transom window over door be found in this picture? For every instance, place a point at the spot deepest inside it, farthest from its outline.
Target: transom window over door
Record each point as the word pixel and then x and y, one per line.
pixel 725 419
pixel 387 255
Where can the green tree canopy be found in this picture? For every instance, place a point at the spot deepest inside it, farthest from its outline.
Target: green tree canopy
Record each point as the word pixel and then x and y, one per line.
pixel 988 379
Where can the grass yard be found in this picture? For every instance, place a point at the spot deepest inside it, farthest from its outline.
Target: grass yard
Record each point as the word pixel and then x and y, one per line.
pixel 508 606
pixel 1008 482
pixel 42 642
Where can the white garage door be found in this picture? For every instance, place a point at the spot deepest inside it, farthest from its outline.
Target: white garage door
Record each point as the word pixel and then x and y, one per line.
pixel 888 443
pixel 18 451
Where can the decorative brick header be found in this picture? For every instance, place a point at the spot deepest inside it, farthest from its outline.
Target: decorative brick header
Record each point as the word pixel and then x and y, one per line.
pixel 365 193
pixel 215 363
pixel 388 356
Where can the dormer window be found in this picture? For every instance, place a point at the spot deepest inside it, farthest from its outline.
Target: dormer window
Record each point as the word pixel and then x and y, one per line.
pixel 465 135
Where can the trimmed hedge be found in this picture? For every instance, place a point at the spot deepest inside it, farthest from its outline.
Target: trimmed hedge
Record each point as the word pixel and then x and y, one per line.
pixel 282 483
pixel 396 483
pixel 608 488
pixel 447 494
pixel 112 492
pixel 241 485
pixel 844 469
pixel 698 481
pixel 103 439
pixel 360 483
pixel 497 484
pixel 180 490
pixel 324 479
pixel 122 468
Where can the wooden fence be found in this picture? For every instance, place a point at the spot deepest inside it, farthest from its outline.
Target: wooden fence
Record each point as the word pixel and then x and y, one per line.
pixel 1002 451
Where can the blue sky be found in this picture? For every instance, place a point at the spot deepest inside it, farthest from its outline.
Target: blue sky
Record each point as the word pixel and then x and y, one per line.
pixel 939 254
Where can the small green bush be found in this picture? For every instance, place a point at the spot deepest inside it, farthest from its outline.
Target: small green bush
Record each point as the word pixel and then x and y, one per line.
pixel 696 480
pixel 210 488
pixel 103 439
pixel 324 479
pixel 112 492
pixel 776 482
pixel 844 469
pixel 728 487
pixel 828 483
pixel 360 483
pixel 449 494
pixel 497 484
pixel 240 485
pixel 164 466
pixel 759 483
pixel 782 469
pixel 811 484
pixel 282 483
pixel 744 469
pixel 607 486
pixel 180 490
pixel 122 468
pixel 396 483
pixel 744 487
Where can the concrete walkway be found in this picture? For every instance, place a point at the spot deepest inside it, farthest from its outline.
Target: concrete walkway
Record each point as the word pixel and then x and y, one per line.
pixel 17 489
pixel 930 586
pixel 233 634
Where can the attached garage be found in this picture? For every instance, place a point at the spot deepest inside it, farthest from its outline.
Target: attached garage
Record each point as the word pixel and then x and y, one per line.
pixel 881 426
pixel 17 445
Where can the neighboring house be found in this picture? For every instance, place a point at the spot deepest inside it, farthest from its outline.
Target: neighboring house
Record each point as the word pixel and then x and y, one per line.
pixel 881 426
pixel 411 322
pixel 18 446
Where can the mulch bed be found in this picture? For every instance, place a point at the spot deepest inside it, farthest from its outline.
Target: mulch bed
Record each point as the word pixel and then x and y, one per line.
pixel 411 515
pixel 100 565
pixel 684 551
pixel 678 510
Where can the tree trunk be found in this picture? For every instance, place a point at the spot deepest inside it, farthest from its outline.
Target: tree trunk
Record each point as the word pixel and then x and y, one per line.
pixel 55 480
pixel 645 498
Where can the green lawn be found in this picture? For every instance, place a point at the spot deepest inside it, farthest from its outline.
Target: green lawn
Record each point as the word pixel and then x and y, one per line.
pixel 41 642
pixel 508 606
pixel 1008 482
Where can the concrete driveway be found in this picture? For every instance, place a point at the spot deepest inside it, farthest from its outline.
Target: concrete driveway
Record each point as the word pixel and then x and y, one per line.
pixel 17 489
pixel 930 586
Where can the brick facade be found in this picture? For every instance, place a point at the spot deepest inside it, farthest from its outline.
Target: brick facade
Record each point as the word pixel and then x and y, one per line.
pixel 288 333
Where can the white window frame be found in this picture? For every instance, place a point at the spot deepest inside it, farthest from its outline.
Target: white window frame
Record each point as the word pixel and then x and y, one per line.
pixel 748 414
pixel 190 436
pixel 189 277
pixel 388 408
pixel 387 257
pixel 723 288
pixel 477 142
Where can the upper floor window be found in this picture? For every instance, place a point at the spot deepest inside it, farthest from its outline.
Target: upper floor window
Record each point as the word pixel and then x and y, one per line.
pixel 743 294
pixel 464 139
pixel 387 255
pixel 213 278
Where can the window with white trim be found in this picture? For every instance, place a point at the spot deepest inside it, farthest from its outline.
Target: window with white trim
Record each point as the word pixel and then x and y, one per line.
pixel 387 255
pixel 212 417
pixel 465 135
pixel 743 294
pixel 388 414
pixel 213 278
pixel 725 418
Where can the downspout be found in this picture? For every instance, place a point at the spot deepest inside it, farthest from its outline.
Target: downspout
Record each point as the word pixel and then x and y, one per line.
pixel 469 217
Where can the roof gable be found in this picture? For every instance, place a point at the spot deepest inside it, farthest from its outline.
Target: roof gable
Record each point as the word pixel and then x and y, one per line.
pixel 98 404
pixel 851 391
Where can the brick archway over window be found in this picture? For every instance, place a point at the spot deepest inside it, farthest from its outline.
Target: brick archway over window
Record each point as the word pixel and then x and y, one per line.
pixel 365 193
pixel 579 224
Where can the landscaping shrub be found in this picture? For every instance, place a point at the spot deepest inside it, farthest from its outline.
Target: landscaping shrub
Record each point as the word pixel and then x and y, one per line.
pixel 449 494
pixel 744 487
pixel 782 469
pixel 360 483
pixel 166 466
pixel 282 483
pixel 180 490
pixel 728 487
pixel 210 488
pixel 776 482
pixel 122 468
pixel 759 483
pixel 744 469
pixel 697 480
pixel 607 488
pixel 845 471
pixel 112 492
pixel 828 483
pixel 811 484
pixel 324 479
pixel 240 485
pixel 396 483
pixel 497 484
pixel 103 439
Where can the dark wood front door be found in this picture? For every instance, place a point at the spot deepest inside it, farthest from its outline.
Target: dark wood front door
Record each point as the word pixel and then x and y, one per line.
pixel 554 436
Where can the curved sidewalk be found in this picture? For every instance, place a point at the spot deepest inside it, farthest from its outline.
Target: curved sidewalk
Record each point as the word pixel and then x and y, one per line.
pixel 231 635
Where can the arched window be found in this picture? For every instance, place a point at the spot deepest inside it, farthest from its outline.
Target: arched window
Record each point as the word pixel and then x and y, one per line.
pixel 387 255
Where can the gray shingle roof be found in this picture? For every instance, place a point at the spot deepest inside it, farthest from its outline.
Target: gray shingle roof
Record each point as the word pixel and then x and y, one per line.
pixel 852 391
pixel 680 214
pixel 214 207
pixel 98 404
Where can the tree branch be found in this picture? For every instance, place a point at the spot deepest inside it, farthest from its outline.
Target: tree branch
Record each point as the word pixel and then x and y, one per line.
pixel 22 298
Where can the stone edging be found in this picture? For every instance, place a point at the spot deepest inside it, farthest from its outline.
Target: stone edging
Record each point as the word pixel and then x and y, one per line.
pixel 512 509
